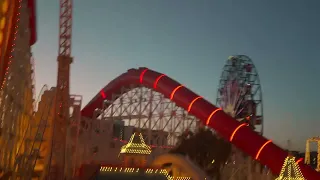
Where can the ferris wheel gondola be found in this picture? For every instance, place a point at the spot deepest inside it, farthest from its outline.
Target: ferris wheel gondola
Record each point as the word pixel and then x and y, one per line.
pixel 239 92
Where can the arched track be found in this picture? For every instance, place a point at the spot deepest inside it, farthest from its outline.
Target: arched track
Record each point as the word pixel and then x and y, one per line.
pixel 241 136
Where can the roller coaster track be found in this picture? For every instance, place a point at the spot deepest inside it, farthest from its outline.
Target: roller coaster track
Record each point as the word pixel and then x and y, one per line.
pixel 24 167
pixel 42 127
pixel 243 137
pixel 18 160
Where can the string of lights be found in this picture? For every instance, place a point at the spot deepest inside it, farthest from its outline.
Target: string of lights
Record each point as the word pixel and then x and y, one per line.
pixel 141 170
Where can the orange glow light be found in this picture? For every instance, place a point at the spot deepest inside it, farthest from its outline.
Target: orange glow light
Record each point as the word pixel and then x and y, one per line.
pixel 213 112
pixel 193 101
pixel 262 147
pixel 235 131
pixel 142 74
pixel 157 80
pixel 299 160
pixel 174 91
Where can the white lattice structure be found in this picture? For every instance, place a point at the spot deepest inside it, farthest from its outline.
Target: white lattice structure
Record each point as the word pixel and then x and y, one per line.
pixel 158 119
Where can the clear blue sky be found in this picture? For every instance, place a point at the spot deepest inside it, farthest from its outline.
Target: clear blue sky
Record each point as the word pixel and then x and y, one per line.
pixel 190 41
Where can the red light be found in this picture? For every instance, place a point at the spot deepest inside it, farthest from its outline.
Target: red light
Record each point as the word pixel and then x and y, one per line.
pixel 235 131
pixel 213 112
pixel 262 147
pixel 142 74
pixel 157 80
pixel 103 94
pixel 174 91
pixel 299 160
pixel 192 102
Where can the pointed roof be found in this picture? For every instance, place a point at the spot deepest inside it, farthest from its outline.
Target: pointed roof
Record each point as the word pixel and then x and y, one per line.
pixel 136 145
pixel 290 170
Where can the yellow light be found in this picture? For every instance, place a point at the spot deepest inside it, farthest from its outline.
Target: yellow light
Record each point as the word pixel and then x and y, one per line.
pixel 2 23
pixel 147 171
pixel 5 6
pixel 136 148
pixel 1 37
pixel 288 165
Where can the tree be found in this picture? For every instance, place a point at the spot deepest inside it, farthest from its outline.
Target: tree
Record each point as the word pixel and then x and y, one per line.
pixel 206 149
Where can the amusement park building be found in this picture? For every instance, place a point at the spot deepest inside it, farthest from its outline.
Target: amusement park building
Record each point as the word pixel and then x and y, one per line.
pixel 133 164
pixel 93 144
pixel 112 135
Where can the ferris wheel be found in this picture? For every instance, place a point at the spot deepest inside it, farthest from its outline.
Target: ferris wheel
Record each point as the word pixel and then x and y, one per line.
pixel 239 93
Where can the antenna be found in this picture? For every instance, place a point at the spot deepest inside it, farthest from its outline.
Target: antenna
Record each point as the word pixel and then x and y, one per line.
pixel 289 145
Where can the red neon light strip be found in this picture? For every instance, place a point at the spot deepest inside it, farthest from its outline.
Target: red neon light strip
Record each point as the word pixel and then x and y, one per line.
pixel 262 147
pixel 174 91
pixel 213 112
pixel 235 131
pixel 157 80
pixel 193 101
pixel 103 94
pixel 142 74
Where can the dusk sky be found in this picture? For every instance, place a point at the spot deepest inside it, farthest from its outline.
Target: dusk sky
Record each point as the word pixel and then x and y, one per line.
pixel 190 41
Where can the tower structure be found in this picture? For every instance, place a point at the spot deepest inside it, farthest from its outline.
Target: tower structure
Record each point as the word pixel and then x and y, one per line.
pixel 60 125
pixel 290 170
pixel 307 154
pixel 16 88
